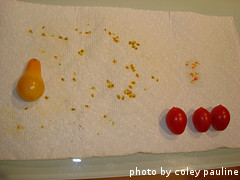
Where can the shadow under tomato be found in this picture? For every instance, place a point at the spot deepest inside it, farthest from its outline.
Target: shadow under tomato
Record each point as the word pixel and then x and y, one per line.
pixel 212 132
pixel 163 128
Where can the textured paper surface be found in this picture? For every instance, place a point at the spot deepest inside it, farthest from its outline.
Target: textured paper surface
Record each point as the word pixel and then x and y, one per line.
pixel 49 129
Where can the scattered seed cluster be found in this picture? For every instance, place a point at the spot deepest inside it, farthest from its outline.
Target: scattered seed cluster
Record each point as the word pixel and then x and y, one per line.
pixel 126 93
pixel 80 52
pixel 110 85
pixel 92 94
pixel 135 45
pixel 194 74
pixel 43 34
pixel 56 57
pixel 110 120
pixel 156 79
pixel 132 68
pixel 129 93
pixel 113 35
pixel 88 32
pixel 79 32
pixel 85 32
pixel 74 78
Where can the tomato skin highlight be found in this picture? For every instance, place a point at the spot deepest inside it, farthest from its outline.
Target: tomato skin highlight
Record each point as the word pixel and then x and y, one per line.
pixel 220 118
pixel 202 120
pixel 176 120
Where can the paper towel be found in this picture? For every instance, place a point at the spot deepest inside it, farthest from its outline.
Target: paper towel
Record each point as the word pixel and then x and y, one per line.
pixel 106 50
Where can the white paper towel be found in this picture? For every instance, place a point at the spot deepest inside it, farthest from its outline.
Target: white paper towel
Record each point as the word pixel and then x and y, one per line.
pixel 50 128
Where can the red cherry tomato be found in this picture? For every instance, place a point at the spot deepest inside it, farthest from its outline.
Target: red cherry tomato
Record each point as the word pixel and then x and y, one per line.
pixel 220 118
pixel 202 119
pixel 176 120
